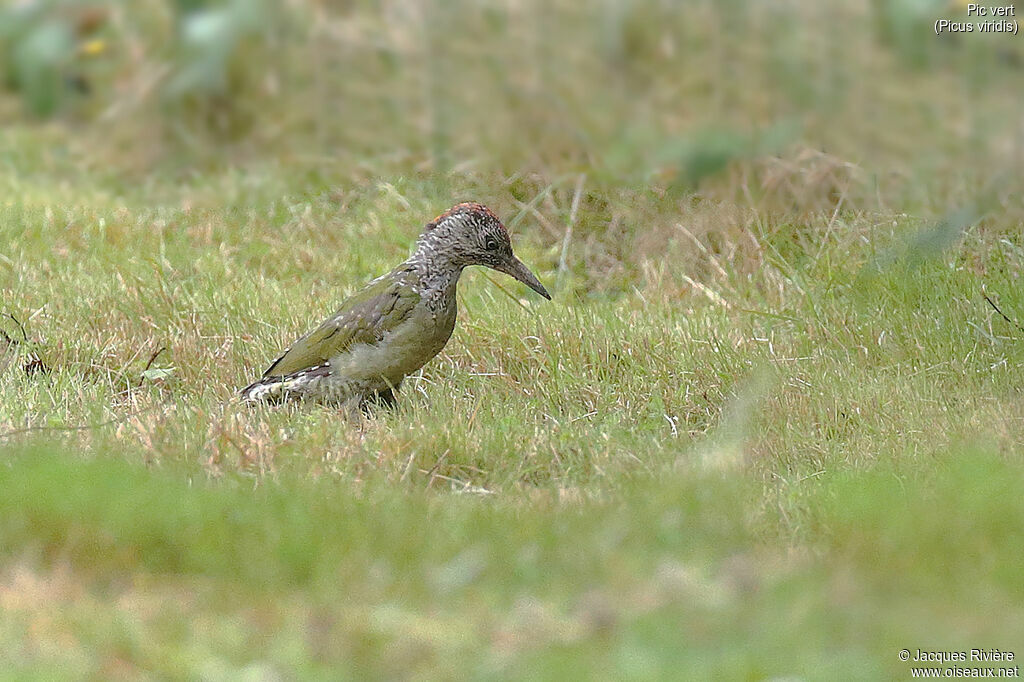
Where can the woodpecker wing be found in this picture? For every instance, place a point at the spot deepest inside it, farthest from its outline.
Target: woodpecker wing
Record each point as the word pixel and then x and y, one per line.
pixel 365 317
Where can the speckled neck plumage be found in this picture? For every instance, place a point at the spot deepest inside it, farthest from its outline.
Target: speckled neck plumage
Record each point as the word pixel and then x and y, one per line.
pixel 433 266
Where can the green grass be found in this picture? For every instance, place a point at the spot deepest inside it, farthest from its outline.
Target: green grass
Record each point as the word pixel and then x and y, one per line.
pixel 152 572
pixel 769 427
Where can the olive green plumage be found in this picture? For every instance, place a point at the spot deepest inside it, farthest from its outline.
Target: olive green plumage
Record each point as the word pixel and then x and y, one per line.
pixel 397 322
pixel 366 317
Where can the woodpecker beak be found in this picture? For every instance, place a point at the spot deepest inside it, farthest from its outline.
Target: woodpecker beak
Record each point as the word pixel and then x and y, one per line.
pixel 515 268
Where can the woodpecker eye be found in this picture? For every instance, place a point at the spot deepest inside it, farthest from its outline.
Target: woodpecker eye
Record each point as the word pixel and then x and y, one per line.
pixel 491 244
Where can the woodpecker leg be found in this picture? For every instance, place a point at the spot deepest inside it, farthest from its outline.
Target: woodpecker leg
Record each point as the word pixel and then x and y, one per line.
pixel 386 398
pixel 383 399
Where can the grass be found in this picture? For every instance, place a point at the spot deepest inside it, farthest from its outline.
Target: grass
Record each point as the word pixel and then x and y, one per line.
pixel 769 426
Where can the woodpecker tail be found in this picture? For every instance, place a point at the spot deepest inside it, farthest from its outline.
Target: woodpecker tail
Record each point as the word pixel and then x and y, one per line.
pixel 305 382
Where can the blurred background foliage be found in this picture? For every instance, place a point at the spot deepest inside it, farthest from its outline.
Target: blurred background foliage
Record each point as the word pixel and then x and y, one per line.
pixel 724 117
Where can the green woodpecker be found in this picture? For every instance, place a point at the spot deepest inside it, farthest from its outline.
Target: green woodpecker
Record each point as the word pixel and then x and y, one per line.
pixel 397 322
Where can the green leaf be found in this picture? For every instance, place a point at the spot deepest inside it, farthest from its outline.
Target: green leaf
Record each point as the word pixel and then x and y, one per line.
pixel 158 373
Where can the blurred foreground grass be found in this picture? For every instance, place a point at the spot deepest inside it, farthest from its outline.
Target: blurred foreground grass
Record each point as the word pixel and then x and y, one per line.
pixel 128 571
pixel 769 426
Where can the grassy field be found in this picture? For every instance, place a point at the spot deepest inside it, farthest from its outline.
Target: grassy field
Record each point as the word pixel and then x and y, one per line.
pixel 769 427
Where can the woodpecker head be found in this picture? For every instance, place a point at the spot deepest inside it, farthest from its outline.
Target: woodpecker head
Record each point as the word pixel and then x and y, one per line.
pixel 470 234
